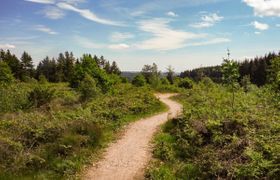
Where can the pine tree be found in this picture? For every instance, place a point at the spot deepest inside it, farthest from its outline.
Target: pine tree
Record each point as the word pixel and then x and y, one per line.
pixel 114 69
pixel 170 74
pixel 27 69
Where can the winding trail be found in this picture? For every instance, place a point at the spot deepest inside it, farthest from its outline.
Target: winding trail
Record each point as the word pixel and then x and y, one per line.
pixel 127 158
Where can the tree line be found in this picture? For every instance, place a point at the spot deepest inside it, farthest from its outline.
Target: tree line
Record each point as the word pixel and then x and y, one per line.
pixel 257 69
pixel 60 69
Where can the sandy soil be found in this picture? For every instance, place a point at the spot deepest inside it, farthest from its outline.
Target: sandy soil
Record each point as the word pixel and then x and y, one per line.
pixel 127 158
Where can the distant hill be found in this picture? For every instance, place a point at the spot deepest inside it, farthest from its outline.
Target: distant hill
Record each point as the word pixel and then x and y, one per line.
pixel 129 74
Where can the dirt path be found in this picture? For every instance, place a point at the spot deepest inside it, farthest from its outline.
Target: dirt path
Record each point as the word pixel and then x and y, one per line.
pixel 127 158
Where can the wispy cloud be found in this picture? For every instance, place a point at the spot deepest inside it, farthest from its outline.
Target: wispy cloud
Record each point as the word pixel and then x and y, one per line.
pixel 42 1
pixel 260 26
pixel 7 46
pixel 89 44
pixel 45 29
pixel 208 21
pixel 119 46
pixel 264 7
pixel 210 42
pixel 52 12
pixel 171 14
pixel 86 13
pixel 163 36
pixel 118 36
pixel 86 43
pixel 257 32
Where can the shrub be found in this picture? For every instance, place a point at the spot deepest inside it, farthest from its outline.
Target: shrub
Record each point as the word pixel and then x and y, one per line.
pixel 88 88
pixel 6 75
pixel 40 95
pixel 139 80
pixel 185 83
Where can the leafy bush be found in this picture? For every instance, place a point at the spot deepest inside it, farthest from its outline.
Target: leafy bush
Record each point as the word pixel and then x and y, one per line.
pixel 6 75
pixel 40 95
pixel 185 83
pixel 14 97
pixel 88 88
pixel 56 142
pixel 209 142
pixel 139 80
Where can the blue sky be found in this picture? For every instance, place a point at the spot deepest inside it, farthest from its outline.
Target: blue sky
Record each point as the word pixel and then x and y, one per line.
pixel 183 33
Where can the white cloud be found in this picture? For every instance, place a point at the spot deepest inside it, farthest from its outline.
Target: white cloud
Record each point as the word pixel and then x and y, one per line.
pixel 260 26
pixel 257 32
pixel 264 7
pixel 208 21
pixel 171 14
pixel 118 46
pixel 7 46
pixel 75 2
pixel 210 42
pixel 86 43
pixel 89 44
pixel 42 1
pixel 45 29
pixel 164 37
pixel 53 12
pixel 137 13
pixel 117 36
pixel 86 13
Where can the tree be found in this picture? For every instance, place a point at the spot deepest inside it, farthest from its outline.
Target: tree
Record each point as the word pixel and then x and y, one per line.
pixel 26 63
pixel 6 75
pixel 61 65
pixel 274 74
pixel 164 81
pixel 230 72
pixel 68 66
pixel 151 74
pixel 185 83
pixel 139 80
pixel 246 83
pixel 170 74
pixel 114 69
pixel 12 61
pixel 87 65
pixel 88 88
pixel 48 68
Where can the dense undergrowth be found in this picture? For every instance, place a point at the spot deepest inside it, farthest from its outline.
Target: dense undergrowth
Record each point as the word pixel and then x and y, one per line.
pixel 47 132
pixel 213 141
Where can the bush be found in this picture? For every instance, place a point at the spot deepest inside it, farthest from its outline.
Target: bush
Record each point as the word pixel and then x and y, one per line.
pixel 210 142
pixel 185 83
pixel 88 88
pixel 40 95
pixel 6 75
pixel 139 80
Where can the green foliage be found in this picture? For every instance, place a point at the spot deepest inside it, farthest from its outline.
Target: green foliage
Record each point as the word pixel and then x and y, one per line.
pixel 6 75
pixel 151 74
pixel 90 67
pixel 164 81
pixel 56 141
pixel 230 76
pixel 139 80
pixel 26 66
pixel 185 83
pixel 40 95
pixel 43 79
pixel 209 142
pixel 246 83
pixel 88 88
pixel 14 97
pixel 274 74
